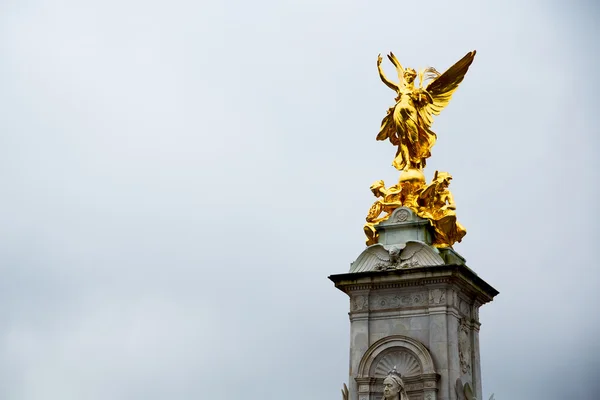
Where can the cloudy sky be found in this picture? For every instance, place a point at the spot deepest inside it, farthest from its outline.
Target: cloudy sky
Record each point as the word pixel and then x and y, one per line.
pixel 179 179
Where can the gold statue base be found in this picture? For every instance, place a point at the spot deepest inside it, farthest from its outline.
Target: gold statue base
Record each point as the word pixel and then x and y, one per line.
pixel 433 202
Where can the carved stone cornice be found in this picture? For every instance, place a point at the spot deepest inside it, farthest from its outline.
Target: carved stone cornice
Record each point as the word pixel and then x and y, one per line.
pixel 459 276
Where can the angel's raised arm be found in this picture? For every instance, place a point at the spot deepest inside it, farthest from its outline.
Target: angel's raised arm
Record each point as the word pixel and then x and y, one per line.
pixel 399 69
pixel 385 80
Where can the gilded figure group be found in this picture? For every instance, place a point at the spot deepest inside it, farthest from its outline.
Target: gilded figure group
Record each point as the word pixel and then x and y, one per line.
pixel 433 202
pixel 407 125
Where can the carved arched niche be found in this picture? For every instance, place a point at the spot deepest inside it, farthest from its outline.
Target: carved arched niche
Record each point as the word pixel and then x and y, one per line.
pixel 411 359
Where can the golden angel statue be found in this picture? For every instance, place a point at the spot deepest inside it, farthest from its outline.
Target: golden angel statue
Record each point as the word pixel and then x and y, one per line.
pixel 408 123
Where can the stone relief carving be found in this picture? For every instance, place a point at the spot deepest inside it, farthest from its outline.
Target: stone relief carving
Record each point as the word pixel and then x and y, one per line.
pixel 395 261
pixel 411 359
pixel 401 216
pixel 464 346
pixel 413 253
pixel 401 360
pixel 464 308
pixel 360 303
pixel 414 386
pixel 437 296
pixel 398 300
pixel 475 312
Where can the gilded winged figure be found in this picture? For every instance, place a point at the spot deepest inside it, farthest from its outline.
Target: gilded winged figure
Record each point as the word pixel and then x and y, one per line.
pixel 408 123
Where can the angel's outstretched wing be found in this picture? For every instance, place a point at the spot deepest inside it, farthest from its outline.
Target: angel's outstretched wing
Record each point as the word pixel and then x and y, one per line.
pixel 442 88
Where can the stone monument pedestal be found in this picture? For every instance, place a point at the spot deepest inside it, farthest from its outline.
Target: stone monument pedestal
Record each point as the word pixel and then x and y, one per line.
pixel 413 301
pixel 416 308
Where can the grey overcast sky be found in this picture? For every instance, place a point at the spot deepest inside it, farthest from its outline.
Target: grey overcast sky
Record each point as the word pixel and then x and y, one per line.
pixel 179 178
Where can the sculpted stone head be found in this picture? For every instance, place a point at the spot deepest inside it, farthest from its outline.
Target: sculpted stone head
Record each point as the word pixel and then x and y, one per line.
pixel 393 387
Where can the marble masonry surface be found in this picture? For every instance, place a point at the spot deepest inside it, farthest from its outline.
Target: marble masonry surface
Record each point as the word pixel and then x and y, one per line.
pixel 416 308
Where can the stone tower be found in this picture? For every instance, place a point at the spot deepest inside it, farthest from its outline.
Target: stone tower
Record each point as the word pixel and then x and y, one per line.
pixel 414 307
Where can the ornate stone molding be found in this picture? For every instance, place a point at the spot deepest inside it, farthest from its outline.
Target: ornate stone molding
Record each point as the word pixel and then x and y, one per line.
pixel 417 387
pixel 396 342
pixel 383 302
pixel 359 303
pixel 437 296
pixel 452 277
pixel 390 308
pixel 464 346
pixel 410 357
pixel 403 361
